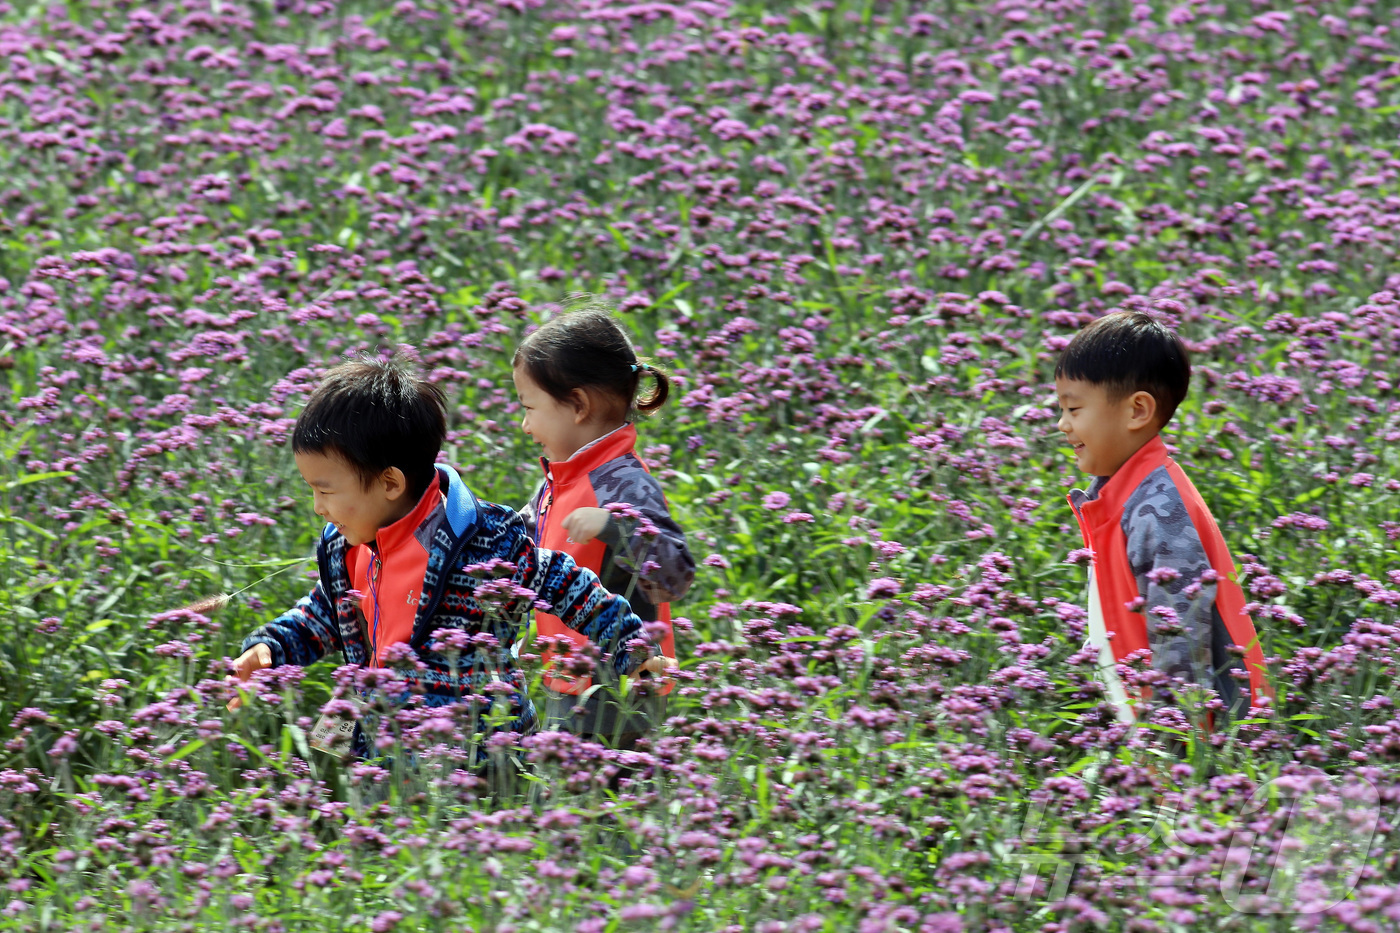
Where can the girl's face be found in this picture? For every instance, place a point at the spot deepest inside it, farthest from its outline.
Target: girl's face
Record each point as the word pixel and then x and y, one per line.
pixel 560 428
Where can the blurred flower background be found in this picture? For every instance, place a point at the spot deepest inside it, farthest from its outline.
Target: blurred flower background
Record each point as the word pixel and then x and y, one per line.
pixel 858 232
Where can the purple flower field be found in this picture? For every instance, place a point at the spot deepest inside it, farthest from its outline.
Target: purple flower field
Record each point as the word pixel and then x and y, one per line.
pixel 858 232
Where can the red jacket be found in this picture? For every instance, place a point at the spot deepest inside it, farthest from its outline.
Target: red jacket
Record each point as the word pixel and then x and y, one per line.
pixel 1102 523
pixel 606 471
pixel 390 575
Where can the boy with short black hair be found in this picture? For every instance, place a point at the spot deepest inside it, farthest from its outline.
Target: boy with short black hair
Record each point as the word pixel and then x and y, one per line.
pixel 401 533
pixel 1158 554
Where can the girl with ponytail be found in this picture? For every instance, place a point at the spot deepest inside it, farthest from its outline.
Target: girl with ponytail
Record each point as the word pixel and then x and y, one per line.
pixel 580 383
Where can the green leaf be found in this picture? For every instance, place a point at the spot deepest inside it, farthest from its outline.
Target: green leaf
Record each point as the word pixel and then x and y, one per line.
pixel 42 532
pixel 190 748
pixel 671 294
pixel 619 239
pixel 35 478
pixel 1310 495
pixel 118 592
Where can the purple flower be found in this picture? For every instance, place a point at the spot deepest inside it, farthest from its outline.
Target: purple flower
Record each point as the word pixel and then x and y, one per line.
pixel 386 921
pixel 776 500
pixel 882 588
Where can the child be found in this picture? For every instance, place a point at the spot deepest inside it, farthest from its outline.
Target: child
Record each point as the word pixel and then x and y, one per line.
pixel 392 559
pixel 577 378
pixel 1156 547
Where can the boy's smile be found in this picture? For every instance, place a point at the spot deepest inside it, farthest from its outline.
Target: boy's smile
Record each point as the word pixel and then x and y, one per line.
pixel 339 496
pixel 1103 432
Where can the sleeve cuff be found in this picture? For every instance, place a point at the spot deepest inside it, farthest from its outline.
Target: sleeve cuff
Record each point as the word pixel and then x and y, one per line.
pixel 611 535
pixel 279 657
pixel 628 661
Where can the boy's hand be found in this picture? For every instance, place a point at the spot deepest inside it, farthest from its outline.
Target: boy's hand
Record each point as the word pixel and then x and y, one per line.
pixel 256 658
pixel 658 668
pixel 584 525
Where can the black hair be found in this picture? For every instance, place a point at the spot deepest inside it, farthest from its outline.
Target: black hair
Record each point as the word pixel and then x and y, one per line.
pixel 1130 351
pixel 376 413
pixel 588 349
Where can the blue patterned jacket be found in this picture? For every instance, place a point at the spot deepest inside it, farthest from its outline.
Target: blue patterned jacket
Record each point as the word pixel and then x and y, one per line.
pixel 464 531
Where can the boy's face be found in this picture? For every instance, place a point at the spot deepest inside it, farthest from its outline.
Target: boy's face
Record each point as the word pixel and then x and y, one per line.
pixel 558 427
pixel 1103 432
pixel 340 497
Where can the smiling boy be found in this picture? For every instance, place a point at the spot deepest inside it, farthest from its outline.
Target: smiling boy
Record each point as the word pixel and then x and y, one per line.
pixel 395 557
pixel 1161 577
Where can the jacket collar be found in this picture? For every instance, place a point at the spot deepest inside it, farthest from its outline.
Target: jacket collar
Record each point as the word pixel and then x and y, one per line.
pixel 591 456
pixel 463 512
pixel 458 501
pixel 392 537
pixel 1113 491
pixel 462 506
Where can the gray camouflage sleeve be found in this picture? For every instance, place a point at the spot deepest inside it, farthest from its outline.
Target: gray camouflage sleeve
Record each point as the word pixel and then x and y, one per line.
pixel 654 545
pixel 1168 560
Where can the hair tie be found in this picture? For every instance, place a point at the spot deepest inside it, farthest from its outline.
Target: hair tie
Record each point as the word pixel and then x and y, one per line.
pixel 637 366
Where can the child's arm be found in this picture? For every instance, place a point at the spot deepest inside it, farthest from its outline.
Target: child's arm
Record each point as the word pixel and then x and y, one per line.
pixel 302 635
pixel 636 545
pixel 1168 559
pixel 575 595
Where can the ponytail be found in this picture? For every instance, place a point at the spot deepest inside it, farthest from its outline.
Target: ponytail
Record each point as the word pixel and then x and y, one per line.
pixel 659 392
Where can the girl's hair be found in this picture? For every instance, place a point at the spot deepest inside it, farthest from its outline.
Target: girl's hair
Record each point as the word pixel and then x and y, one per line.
pixel 588 349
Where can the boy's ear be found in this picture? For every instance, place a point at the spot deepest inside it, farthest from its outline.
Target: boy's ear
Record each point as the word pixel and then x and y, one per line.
pixel 1142 411
pixel 394 482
